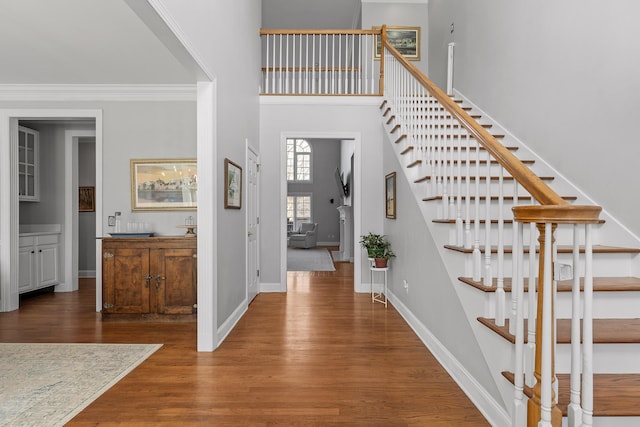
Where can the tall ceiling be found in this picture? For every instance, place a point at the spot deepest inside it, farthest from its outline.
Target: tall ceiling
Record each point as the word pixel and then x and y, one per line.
pixel 311 14
pixel 106 42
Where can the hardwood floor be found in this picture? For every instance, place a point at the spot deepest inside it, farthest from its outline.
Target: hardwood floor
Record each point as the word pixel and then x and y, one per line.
pixel 317 355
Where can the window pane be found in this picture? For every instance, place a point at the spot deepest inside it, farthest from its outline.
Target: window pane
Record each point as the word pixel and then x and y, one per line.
pixel 303 167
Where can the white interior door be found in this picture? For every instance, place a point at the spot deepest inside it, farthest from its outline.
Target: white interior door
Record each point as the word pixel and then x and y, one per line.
pixel 253 225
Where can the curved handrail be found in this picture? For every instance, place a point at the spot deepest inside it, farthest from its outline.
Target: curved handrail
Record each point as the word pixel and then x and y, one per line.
pixel 525 176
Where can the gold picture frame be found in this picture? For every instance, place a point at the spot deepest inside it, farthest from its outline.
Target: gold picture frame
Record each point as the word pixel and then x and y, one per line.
pixel 405 39
pixel 232 185
pixel 86 199
pixel 164 184
pixel 390 195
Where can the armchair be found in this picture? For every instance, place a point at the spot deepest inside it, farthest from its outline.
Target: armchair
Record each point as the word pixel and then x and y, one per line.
pixel 306 236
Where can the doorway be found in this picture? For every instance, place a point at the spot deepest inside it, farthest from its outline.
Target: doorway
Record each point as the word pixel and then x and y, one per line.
pixel 353 175
pixel 64 203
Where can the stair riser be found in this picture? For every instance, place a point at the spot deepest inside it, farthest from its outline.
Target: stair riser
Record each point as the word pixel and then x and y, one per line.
pixel 607 358
pixel 606 305
pixel 604 265
pixel 563 236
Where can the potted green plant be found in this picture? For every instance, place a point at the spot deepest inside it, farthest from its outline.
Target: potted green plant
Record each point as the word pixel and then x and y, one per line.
pixel 371 242
pixel 377 248
pixel 382 255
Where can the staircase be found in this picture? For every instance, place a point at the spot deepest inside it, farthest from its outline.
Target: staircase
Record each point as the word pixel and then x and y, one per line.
pixel 470 198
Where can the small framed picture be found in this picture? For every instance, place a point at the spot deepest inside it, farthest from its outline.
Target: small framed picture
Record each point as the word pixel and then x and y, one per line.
pixel 164 184
pixel 86 199
pixel 406 40
pixel 390 195
pixel 233 185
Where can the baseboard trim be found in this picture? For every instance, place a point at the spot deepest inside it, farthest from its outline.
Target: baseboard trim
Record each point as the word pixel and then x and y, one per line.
pixel 486 404
pixel 272 287
pixel 230 323
pixel 86 273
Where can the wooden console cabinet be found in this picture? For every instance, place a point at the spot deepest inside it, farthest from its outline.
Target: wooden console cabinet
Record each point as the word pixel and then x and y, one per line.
pixel 150 275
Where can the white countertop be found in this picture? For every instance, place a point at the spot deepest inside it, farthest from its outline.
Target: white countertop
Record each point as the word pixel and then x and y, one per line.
pixel 39 229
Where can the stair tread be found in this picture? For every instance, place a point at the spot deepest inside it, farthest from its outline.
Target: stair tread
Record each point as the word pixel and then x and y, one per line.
pixel 453 221
pixel 614 394
pixel 483 178
pixel 605 331
pixel 510 198
pixel 564 249
pixel 600 284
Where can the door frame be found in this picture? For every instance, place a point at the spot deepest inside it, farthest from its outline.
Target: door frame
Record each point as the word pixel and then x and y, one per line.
pixel 9 210
pixel 356 201
pixel 251 150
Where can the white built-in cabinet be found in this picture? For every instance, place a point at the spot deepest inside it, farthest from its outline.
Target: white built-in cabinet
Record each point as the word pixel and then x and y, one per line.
pixel 38 261
pixel 28 145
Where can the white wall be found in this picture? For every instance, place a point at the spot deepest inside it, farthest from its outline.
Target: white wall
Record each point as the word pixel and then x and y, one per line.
pixel 340 119
pixel 562 76
pixel 399 14
pixel 225 39
pixel 431 296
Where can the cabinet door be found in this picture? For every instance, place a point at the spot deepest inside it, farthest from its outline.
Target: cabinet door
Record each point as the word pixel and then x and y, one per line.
pixel 175 275
pixel 26 269
pixel 125 280
pixel 48 273
pixel 28 144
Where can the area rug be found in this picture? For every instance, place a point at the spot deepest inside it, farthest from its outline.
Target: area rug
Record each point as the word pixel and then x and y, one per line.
pixel 314 259
pixel 48 384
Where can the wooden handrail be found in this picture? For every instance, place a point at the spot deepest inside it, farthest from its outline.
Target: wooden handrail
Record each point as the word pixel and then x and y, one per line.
pixel 264 32
pixel 530 181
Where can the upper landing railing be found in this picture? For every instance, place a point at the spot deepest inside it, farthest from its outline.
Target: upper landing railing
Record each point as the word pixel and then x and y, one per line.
pixel 321 62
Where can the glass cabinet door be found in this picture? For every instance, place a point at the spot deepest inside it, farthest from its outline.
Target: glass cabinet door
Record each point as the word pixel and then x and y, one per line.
pixel 28 140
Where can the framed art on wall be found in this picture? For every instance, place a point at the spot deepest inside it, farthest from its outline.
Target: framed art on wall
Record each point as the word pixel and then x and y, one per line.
pixel 86 199
pixel 164 184
pixel 390 195
pixel 232 185
pixel 406 40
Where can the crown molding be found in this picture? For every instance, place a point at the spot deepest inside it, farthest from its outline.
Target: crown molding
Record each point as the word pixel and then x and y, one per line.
pixel 104 92
pixel 396 1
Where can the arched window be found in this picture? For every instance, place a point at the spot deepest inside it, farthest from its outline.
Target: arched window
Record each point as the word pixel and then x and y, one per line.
pixel 298 160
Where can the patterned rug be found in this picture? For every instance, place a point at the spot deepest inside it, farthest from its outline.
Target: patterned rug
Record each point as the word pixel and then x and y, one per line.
pixel 48 384
pixel 314 259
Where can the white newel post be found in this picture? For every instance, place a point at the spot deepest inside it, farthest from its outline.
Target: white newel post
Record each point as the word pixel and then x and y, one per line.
pixel 450 69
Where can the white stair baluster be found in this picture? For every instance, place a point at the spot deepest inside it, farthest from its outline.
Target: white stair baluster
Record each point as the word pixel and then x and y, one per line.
pixel 514 301
pixel 477 256
pixel 574 411
pixel 517 288
pixel 467 218
pixel 547 327
pixel 488 277
pixel 587 331
pixel 532 304
pixel 459 222
pixel 500 295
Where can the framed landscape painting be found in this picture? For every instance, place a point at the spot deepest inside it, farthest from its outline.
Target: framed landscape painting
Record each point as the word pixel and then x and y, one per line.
pixel 86 199
pixel 232 185
pixel 406 40
pixel 164 184
pixel 390 195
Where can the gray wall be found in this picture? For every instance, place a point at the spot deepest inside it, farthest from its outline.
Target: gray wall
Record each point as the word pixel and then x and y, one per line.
pixel 130 130
pixel 400 14
pixel 341 120
pixel 561 76
pixel 431 296
pixel 226 40
pixel 87 220
pixel 325 155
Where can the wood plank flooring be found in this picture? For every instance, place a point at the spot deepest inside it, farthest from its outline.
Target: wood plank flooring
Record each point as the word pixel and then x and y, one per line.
pixel 317 355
